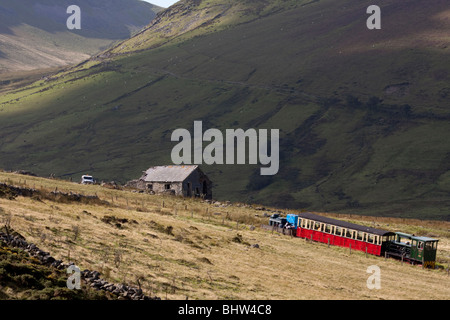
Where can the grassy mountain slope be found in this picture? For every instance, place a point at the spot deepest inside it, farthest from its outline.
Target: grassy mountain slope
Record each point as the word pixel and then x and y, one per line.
pixel 33 34
pixel 363 114
pixel 178 247
pixel 24 278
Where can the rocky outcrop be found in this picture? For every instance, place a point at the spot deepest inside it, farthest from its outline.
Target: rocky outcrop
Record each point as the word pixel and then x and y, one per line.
pixel 11 192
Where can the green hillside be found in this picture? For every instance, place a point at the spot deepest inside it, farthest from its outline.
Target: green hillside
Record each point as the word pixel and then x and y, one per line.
pixel 34 35
pixel 363 114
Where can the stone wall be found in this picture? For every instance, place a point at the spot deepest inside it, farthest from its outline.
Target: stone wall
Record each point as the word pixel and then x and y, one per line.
pixel 160 188
pixel 92 278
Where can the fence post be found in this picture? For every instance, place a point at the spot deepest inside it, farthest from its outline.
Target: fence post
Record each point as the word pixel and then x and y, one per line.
pixel 350 247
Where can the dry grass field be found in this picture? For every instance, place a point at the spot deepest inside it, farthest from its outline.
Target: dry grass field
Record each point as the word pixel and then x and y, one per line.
pixel 179 248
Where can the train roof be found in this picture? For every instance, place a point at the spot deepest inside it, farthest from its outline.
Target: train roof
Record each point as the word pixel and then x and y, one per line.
pixel 344 224
pixel 411 236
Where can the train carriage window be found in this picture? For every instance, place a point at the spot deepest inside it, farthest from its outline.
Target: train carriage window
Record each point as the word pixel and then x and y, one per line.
pixel 348 233
pixel 308 224
pixel 317 225
pixel 327 228
pixel 338 231
pixel 429 245
pixel 377 240
pixel 370 238
pixel 360 236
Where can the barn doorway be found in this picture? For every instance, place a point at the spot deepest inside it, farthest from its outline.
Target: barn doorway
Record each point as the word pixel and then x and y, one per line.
pixel 205 188
pixel 189 190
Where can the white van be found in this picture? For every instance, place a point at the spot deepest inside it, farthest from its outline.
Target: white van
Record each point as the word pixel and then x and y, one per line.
pixel 86 179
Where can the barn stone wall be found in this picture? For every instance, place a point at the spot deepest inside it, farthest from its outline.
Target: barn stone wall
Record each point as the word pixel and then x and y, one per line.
pixel 165 187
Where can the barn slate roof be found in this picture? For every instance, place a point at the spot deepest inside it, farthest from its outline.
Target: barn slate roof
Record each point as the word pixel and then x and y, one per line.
pixel 168 173
pixel 344 224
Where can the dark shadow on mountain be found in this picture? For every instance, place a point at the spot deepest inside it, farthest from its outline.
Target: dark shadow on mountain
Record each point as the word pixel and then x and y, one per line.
pixel 104 19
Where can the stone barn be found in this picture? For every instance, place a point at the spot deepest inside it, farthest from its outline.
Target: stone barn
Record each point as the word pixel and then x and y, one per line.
pixel 180 180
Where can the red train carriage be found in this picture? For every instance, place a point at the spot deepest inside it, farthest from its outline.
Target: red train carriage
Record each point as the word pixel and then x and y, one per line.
pixel 343 234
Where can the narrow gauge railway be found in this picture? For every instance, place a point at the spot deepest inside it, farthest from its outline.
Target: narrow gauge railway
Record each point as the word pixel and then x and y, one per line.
pixel 410 248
